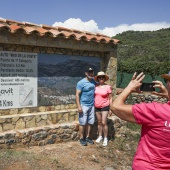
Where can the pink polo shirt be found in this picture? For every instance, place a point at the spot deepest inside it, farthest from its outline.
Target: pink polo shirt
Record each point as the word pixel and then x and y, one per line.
pixel 101 98
pixel 153 152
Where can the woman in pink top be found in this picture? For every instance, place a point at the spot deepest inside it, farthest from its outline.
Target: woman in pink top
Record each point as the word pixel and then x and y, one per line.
pixel 153 151
pixel 102 101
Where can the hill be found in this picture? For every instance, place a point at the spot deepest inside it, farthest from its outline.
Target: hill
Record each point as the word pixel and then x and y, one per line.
pixel 71 68
pixel 147 51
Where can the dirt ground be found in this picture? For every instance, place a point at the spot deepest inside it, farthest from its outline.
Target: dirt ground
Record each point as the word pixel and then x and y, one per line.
pixel 71 156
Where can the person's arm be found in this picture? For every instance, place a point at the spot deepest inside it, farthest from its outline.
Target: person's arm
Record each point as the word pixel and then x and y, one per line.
pixel 118 107
pixel 110 101
pixel 162 92
pixel 78 92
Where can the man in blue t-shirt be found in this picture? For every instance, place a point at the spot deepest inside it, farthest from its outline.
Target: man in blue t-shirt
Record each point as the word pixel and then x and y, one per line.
pixel 85 103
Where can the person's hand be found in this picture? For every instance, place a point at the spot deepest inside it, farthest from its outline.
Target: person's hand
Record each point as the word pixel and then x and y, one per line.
pixel 136 82
pixel 80 110
pixel 110 113
pixel 162 89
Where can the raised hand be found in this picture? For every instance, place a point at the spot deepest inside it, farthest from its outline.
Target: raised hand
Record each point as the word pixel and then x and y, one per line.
pixel 135 83
pixel 162 89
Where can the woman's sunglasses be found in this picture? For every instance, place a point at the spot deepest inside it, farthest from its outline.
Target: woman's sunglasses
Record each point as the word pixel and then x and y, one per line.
pixel 101 77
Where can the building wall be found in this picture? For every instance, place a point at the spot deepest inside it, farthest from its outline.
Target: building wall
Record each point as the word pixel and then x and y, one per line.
pixel 24 117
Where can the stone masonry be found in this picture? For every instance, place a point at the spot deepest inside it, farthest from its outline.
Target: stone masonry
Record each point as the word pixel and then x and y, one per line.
pixel 51 134
pixel 23 118
pixel 35 129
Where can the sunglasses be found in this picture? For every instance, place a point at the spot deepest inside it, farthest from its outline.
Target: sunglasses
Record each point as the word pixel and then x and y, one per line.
pixel 101 77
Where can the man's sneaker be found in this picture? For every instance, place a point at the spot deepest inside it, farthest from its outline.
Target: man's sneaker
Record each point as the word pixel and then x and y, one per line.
pixel 98 140
pixel 105 142
pixel 89 140
pixel 83 142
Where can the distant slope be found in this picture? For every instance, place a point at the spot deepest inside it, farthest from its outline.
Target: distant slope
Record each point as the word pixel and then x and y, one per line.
pixel 147 51
pixel 72 68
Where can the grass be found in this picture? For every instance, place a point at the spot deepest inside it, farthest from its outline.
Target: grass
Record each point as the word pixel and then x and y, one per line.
pixel 7 154
pixel 19 160
pixel 133 126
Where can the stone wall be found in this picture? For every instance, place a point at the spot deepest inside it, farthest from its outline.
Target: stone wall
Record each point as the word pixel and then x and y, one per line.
pixel 145 97
pixel 44 135
pixel 20 111
pixel 62 129
pixel 44 125
pixel 14 118
pixel 30 120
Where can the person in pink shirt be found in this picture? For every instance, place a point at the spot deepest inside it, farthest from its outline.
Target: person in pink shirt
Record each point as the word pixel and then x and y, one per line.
pixel 153 151
pixel 102 101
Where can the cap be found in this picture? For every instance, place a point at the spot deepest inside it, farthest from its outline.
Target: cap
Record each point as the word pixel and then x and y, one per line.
pixel 89 69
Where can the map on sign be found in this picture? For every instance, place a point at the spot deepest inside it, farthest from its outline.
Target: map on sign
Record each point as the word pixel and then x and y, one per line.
pixel 26 96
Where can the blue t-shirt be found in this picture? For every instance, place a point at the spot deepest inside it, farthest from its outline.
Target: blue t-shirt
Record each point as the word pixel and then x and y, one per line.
pixel 87 91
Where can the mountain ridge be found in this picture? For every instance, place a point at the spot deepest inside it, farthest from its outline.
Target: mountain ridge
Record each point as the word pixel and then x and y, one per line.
pixel 72 68
pixel 147 51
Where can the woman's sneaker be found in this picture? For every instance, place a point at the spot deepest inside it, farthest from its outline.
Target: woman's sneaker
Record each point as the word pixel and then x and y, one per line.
pixel 105 142
pixel 98 140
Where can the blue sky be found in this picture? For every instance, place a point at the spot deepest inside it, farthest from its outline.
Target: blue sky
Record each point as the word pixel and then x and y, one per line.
pixel 109 17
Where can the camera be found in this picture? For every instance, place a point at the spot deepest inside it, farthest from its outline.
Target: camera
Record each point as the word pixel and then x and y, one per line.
pixel 147 87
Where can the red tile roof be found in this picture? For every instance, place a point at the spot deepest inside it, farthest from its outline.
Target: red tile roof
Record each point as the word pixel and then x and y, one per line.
pixel 28 28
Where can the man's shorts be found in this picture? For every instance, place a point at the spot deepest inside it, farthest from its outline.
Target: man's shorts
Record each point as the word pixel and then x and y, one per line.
pixel 87 116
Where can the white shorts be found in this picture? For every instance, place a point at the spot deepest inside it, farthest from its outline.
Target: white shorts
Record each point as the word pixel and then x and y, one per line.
pixel 87 116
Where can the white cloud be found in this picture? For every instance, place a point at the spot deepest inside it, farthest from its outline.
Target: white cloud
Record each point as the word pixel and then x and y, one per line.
pixel 91 26
pixel 135 27
pixel 78 24
pixel 2 18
